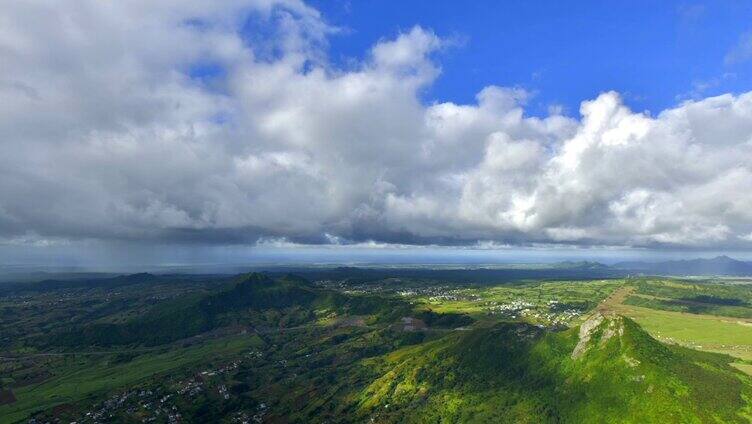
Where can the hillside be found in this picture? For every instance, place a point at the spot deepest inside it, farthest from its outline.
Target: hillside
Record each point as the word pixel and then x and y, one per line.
pixel 193 315
pixel 290 301
pixel 607 371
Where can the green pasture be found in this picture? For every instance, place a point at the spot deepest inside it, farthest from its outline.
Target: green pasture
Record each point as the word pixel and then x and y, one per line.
pixel 704 332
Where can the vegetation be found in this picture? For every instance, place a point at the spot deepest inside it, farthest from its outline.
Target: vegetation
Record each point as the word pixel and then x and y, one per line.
pixel 79 378
pixel 713 316
pixel 262 348
pixel 517 373
pixel 711 298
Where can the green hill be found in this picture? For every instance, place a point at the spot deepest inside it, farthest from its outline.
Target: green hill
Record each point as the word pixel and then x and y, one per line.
pixel 609 370
pixel 193 315
pixel 252 299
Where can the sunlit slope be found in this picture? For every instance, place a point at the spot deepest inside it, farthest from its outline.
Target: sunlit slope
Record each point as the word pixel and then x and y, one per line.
pixel 610 370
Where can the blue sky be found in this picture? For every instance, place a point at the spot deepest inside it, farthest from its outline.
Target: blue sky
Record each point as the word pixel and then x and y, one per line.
pixel 654 53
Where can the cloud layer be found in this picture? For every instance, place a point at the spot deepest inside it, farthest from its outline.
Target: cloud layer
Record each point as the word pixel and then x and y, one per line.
pixel 225 122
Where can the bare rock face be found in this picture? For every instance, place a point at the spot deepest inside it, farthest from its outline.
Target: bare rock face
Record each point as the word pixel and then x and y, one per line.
pixel 586 331
pixel 612 326
pixel 615 326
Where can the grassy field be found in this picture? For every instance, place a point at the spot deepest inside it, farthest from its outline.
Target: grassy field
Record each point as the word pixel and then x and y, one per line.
pixel 702 331
pixel 82 378
pixel 746 368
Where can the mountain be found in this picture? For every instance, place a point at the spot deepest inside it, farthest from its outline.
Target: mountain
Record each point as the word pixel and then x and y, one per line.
pixel 608 370
pixel 720 265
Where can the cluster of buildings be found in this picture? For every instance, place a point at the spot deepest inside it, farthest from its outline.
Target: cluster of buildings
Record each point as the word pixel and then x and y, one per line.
pixel 257 417
pixel 346 286
pixel 149 405
pixel 514 309
pixel 221 370
pixel 552 314
pixel 162 403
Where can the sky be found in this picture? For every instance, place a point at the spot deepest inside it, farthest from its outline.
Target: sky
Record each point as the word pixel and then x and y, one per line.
pixel 656 54
pixel 247 130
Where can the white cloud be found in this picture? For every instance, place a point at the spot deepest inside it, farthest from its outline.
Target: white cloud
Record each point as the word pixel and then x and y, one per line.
pixel 105 134
pixel 741 52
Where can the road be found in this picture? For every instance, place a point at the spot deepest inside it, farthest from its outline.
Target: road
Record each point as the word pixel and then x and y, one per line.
pixel 611 305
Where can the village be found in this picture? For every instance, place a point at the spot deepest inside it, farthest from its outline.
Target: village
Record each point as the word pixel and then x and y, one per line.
pixel 163 401
pixel 550 312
